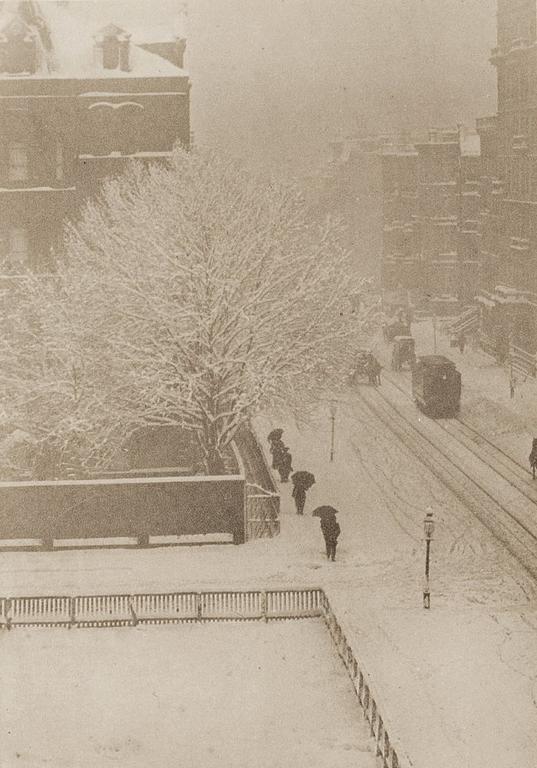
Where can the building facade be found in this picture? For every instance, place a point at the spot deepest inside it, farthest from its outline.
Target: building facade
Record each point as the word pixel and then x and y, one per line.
pixel 77 101
pixel 508 274
pixel 431 214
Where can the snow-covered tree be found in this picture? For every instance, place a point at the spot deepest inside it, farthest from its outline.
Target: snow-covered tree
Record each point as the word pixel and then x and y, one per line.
pixel 193 294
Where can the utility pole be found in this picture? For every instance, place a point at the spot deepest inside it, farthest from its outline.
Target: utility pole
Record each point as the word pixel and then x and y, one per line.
pixel 333 411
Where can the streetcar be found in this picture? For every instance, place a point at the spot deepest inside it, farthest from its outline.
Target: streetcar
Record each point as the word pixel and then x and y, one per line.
pixel 436 386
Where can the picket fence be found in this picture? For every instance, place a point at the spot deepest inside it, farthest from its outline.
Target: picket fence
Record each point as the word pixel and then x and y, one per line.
pixel 178 607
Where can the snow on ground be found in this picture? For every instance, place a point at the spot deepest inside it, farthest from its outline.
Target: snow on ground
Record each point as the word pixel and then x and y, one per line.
pixel 458 683
pixel 234 695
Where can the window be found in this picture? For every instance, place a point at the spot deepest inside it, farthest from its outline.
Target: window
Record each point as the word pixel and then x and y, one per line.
pixel 13 251
pixel 17 162
pixel 59 162
pixel 18 245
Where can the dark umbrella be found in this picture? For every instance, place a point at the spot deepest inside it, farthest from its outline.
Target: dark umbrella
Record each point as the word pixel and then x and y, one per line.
pixel 304 479
pixel 324 511
pixel 276 434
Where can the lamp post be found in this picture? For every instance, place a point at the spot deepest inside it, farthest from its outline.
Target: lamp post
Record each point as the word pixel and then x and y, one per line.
pixel 333 411
pixel 428 527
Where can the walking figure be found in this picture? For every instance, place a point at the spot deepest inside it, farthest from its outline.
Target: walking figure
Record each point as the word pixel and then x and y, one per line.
pixel 331 530
pixel 276 446
pixel 533 456
pixel 302 482
pixel 285 464
pixel 462 342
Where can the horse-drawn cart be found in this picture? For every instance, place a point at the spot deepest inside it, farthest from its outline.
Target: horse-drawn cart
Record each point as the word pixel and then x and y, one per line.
pixel 366 368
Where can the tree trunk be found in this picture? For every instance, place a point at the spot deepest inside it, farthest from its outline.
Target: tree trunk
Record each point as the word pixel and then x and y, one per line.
pixel 213 460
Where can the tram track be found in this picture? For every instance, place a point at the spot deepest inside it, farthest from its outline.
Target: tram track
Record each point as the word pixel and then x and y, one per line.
pixel 496 458
pixel 504 507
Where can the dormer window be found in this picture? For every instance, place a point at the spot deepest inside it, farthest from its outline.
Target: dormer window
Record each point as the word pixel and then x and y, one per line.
pixel 112 48
pixel 18 48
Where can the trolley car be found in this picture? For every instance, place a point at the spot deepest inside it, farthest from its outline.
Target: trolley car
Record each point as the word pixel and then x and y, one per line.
pixel 436 386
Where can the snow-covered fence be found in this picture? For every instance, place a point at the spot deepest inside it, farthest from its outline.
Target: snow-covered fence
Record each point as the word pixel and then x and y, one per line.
pixel 230 605
pixel 130 610
pixel 262 498
pixel 44 611
pixel 284 604
pixel 166 608
pixel 389 756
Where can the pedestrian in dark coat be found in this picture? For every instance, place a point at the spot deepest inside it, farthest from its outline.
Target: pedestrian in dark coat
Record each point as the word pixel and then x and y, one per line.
pixel 277 448
pixel 299 495
pixel 533 456
pixel 331 530
pixel 285 465
pixel 462 342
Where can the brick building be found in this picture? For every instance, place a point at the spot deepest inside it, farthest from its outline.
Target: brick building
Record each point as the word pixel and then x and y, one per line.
pixel 508 281
pixel 431 213
pixel 80 94
pixel 401 265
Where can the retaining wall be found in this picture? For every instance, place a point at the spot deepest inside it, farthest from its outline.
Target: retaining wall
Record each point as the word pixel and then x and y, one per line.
pixel 123 507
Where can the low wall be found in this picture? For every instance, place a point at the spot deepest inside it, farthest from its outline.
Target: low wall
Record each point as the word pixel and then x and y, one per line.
pixel 124 507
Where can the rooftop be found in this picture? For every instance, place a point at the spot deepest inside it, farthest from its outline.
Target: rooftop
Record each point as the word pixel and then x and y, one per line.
pixel 66 33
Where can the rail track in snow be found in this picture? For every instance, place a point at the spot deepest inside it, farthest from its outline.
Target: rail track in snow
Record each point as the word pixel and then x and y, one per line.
pixel 490 483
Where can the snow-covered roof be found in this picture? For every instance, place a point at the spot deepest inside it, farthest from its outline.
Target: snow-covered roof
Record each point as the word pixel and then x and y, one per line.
pixel 74 27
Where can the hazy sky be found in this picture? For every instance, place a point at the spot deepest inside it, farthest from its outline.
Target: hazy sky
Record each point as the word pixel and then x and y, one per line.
pixel 277 79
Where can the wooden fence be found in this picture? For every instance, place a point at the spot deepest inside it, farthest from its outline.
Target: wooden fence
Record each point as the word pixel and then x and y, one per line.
pixel 178 607
pixel 175 607
pixel 387 754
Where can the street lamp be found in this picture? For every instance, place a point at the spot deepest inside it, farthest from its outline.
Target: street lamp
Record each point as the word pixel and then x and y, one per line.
pixel 333 411
pixel 428 527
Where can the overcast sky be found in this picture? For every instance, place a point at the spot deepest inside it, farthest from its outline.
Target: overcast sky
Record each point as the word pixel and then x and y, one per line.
pixel 276 79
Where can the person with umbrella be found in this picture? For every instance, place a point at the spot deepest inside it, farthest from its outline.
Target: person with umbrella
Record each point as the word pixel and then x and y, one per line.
pixel 276 446
pixel 284 464
pixel 302 482
pixel 330 529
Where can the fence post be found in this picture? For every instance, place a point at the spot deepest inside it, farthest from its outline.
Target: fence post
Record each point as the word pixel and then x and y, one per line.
pixel 72 616
pixel 8 613
pixel 264 606
pixel 132 612
pixel 199 606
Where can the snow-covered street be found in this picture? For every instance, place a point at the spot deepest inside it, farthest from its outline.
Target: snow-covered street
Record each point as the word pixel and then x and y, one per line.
pixel 456 683
pixel 235 694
